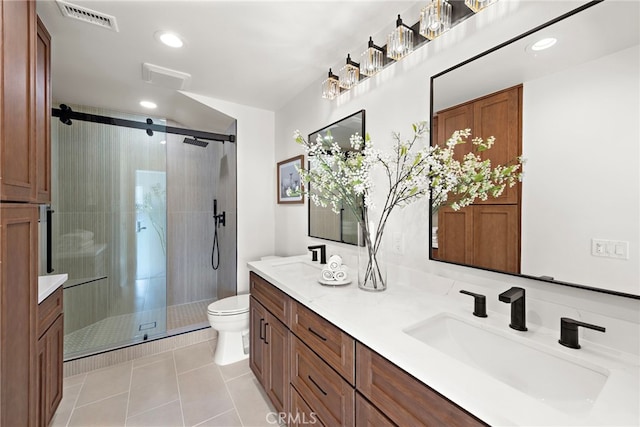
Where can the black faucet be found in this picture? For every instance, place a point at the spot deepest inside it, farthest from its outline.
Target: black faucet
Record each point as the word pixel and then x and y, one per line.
pixel 569 331
pixel 479 303
pixel 323 253
pixel 515 297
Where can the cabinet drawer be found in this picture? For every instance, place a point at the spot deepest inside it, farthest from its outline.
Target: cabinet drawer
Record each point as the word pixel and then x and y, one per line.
pixel 332 344
pixel 301 414
pixel 329 396
pixel 49 310
pixel 368 416
pixel 274 300
pixel 402 398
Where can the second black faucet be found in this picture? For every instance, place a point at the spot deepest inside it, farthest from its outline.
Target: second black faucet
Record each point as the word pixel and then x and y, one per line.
pixel 314 254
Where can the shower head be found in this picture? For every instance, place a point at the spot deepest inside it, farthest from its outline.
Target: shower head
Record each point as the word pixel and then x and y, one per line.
pixel 195 141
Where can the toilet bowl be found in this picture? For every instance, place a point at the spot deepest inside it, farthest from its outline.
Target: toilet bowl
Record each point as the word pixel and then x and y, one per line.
pixel 230 317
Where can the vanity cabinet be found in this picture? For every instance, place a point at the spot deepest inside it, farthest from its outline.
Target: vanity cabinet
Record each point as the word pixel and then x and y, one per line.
pixel 333 380
pixel 269 340
pixel 403 399
pixel 49 356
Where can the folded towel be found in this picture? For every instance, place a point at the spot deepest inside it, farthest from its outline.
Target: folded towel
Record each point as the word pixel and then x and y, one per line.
pixel 335 261
pixel 341 274
pixel 327 274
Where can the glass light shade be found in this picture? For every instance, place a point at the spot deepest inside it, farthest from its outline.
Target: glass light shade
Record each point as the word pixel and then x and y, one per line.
pixel 400 41
pixel 331 86
pixel 371 60
pixel 435 19
pixel 349 74
pixel 478 5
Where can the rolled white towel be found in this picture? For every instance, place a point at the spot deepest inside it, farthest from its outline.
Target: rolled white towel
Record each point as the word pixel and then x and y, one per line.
pixel 327 274
pixel 335 262
pixel 341 274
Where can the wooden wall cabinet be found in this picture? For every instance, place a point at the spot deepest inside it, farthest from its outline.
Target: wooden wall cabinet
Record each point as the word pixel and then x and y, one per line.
pixel 18 303
pixel 334 380
pixel 487 233
pixel 50 356
pixel 25 105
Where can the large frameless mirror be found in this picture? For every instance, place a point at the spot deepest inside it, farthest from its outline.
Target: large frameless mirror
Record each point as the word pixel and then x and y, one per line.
pixel 572 112
pixel 323 222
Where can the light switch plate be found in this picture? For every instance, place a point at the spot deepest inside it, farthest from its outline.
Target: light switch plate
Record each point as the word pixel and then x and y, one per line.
pixel 618 249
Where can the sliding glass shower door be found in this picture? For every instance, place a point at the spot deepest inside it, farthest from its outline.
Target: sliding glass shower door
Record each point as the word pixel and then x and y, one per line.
pixel 110 232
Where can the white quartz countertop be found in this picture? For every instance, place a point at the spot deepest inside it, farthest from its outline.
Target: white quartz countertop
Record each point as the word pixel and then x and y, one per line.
pixel 48 285
pixel 378 320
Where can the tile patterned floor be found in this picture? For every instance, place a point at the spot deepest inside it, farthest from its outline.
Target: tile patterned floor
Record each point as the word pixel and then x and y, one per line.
pixel 182 387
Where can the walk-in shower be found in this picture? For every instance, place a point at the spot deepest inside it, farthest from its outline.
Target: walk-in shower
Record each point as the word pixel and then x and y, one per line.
pixel 133 227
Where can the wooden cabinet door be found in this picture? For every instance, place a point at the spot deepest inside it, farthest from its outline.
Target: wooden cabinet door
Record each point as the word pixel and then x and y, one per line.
pixel 498 115
pixel 451 120
pixel 43 114
pixel 277 372
pixel 496 237
pixel 18 303
pixel 257 355
pixel 455 235
pixel 17 114
pixel 49 365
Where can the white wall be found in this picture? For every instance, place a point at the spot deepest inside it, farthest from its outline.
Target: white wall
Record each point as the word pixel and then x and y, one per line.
pixel 256 181
pixel 582 179
pixel 397 97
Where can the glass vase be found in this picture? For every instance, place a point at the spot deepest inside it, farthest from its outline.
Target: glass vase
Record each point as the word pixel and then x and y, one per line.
pixel 372 265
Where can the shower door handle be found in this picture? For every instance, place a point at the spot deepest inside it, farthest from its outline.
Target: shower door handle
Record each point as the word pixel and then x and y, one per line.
pixel 139 227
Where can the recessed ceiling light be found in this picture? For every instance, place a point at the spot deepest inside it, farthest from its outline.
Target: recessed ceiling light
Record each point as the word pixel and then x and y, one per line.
pixel 169 39
pixel 148 104
pixel 163 142
pixel 543 44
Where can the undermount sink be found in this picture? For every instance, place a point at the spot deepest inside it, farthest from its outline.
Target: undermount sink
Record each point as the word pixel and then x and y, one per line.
pixel 560 382
pixel 297 267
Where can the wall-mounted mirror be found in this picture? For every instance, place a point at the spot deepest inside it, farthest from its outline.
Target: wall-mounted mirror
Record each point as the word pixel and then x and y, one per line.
pixel 323 222
pixel 573 109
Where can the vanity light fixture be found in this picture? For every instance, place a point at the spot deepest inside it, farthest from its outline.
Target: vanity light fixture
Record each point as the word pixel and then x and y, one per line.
pixel 331 86
pixel 349 74
pixel 400 41
pixel 435 18
pixel 170 39
pixel 478 5
pixel 148 104
pixel 371 60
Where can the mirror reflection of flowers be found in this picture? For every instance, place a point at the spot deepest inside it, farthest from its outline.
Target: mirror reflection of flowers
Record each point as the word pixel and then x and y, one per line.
pixel 343 178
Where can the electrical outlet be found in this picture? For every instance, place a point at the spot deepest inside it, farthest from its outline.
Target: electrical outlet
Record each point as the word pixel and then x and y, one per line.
pixel 610 248
pixel 398 242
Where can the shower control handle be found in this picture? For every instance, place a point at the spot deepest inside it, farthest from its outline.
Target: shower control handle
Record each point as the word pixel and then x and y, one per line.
pixel 139 227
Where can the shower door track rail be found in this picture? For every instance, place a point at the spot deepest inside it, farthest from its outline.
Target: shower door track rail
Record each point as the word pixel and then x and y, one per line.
pixel 66 114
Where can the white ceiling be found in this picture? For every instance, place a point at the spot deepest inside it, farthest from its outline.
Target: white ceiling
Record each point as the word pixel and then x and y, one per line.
pixel 258 53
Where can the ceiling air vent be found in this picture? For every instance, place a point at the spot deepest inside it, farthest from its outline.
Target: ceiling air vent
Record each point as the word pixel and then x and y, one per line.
pixel 87 15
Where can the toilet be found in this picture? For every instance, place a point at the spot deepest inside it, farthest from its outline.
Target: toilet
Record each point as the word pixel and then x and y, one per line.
pixel 230 317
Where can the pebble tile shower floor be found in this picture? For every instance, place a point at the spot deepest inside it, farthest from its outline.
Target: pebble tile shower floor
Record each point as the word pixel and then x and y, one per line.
pixel 118 330
pixel 182 387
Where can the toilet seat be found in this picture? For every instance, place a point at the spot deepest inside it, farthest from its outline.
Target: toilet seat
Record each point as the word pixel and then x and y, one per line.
pixel 229 306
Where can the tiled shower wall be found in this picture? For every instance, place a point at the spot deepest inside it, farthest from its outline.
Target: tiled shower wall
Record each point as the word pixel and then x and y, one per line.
pixel 197 175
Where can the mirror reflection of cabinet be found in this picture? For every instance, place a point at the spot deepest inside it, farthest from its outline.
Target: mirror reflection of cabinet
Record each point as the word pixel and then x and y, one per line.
pixel 487 233
pixel 323 222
